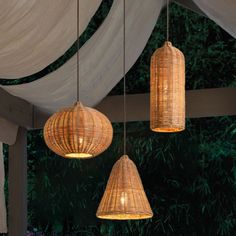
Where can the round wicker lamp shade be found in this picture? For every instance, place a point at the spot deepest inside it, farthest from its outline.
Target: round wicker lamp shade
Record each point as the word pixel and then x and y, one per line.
pixel 78 132
pixel 167 89
pixel 124 197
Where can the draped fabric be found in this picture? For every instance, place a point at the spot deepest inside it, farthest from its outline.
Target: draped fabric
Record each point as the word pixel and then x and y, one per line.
pixel 223 12
pixel 3 224
pixel 34 33
pixel 101 59
pixel 101 56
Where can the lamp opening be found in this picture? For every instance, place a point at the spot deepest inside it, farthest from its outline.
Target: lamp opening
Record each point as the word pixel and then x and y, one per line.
pixel 168 129
pixel 125 216
pixel 78 155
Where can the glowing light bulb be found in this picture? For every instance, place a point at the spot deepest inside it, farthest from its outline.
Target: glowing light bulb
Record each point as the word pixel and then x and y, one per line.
pixel 80 140
pixel 123 198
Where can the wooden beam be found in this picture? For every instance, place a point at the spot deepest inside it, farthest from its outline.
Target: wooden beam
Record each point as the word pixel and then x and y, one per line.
pixel 19 111
pixel 17 222
pixel 15 109
pixel 211 102
pixel 8 132
pixel 199 103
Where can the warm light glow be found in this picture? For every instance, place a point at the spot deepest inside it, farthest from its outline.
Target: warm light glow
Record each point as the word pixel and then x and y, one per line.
pixel 167 129
pixel 125 216
pixel 80 140
pixel 123 198
pixel 78 155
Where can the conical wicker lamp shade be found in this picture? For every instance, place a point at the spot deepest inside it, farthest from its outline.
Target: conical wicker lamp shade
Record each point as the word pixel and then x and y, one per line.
pixel 78 132
pixel 167 90
pixel 124 197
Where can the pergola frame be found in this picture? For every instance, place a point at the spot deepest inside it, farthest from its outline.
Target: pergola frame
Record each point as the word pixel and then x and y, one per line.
pixel 199 103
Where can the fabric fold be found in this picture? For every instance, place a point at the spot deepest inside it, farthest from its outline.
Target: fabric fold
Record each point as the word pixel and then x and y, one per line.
pixel 222 12
pixel 101 59
pixel 35 33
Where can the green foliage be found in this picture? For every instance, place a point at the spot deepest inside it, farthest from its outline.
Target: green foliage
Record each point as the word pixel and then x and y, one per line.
pixel 189 178
pixel 209 52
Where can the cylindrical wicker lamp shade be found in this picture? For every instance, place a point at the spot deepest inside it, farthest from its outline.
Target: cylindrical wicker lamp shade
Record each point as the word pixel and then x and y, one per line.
pixel 124 197
pixel 167 90
pixel 78 132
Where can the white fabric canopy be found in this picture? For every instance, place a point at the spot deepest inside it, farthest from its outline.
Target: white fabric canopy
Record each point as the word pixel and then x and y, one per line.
pixel 223 12
pixel 101 56
pixel 101 59
pixel 35 33
pixel 3 224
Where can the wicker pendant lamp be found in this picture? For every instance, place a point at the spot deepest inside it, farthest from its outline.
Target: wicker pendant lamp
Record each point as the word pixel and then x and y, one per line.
pixel 167 88
pixel 124 197
pixel 78 131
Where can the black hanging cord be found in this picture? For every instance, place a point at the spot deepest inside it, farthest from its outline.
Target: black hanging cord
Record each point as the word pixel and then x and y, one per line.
pixel 78 30
pixel 167 20
pixel 124 78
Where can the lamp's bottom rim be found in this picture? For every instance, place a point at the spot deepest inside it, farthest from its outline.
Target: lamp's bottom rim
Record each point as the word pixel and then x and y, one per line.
pixel 128 216
pixel 168 129
pixel 78 155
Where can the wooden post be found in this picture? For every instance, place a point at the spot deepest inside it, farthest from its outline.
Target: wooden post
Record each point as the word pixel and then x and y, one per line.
pixel 17 221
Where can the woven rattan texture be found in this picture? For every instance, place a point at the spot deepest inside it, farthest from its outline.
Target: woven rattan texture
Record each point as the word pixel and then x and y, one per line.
pixel 167 90
pixel 124 197
pixel 78 132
